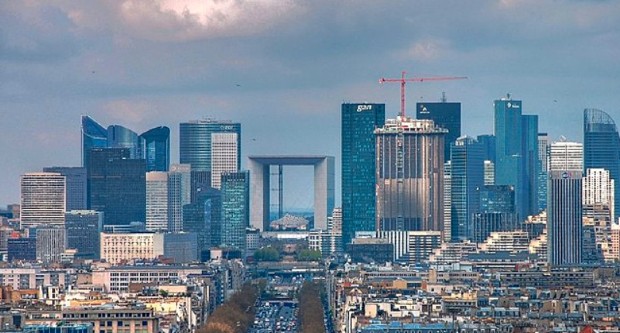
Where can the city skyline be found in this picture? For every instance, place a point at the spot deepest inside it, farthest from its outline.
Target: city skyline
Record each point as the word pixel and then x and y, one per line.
pixel 287 69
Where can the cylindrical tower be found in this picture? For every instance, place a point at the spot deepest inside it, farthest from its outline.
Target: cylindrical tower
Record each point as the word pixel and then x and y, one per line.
pixel 409 175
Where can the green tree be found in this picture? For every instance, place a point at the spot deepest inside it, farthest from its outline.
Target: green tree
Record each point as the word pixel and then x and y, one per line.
pixel 309 255
pixel 267 254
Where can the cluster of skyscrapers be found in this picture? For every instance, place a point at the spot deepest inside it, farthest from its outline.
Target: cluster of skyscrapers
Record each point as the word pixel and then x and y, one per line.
pixel 409 179
pixel 126 184
pixel 421 174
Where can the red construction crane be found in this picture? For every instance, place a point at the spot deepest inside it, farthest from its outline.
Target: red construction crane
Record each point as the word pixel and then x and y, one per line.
pixel 403 81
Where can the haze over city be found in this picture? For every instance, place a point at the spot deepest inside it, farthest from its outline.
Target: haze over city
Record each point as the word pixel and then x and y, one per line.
pixel 282 68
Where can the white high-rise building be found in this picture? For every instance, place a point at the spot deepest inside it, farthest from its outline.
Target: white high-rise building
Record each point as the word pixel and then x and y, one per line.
pixel 598 188
pixel 42 199
pixel 489 172
pixel 179 194
pixel 566 156
pixel 543 151
pixel 564 204
pixel 224 153
pixel 157 201
pixel 447 201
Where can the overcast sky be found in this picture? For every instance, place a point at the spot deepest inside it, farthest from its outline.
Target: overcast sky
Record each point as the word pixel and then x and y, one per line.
pixel 282 68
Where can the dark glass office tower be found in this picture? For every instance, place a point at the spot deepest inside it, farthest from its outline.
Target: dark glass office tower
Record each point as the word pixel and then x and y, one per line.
pixel 82 229
pixel 76 186
pixel 195 142
pixel 358 166
pixel 117 186
pixel 93 136
pixel 204 217
pixel 446 115
pixel 488 142
pixel 496 212
pixel 601 145
pixel 516 155
pixel 156 148
pixel 122 137
pixel 467 176
pixel 235 209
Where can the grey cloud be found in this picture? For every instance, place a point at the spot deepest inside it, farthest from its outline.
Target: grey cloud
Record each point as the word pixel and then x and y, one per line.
pixel 284 76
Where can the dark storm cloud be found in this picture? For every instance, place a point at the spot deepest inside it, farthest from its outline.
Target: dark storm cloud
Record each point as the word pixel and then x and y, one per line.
pixel 282 68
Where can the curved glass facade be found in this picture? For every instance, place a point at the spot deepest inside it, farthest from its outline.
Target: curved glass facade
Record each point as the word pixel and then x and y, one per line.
pixel 93 136
pixel 156 148
pixel 601 145
pixel 122 137
pixel 195 142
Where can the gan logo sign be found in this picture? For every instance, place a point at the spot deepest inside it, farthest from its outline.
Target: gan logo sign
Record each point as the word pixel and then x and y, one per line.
pixel 364 107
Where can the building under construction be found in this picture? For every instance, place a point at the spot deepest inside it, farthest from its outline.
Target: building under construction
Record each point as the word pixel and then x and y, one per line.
pixel 409 175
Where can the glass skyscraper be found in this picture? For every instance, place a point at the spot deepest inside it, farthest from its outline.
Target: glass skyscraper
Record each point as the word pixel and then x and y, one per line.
pixel 122 137
pixel 156 148
pixel 93 136
pixel 154 145
pixel 195 142
pixel 516 158
pixel 358 166
pixel 82 229
pixel 496 212
pixel 235 209
pixel 117 186
pixel 204 217
pixel 488 142
pixel 602 147
pixel 467 176
pixel 446 115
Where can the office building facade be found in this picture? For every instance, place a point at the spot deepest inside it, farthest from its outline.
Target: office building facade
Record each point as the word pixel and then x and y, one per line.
pixel 409 175
pixel 224 156
pixel 42 199
pixel 122 137
pixel 196 138
pixel 124 247
pixel 82 229
pixel 446 115
pixel 93 136
pixel 204 218
pixel 543 172
pixel 179 195
pixel 447 201
pixel 156 148
pixel 467 176
pixel 359 122
pixel 235 209
pixel 516 155
pixel 51 243
pixel 117 186
pixel 602 146
pixel 157 201
pixel 496 212
pixel 598 210
pixel 564 204
pixel 76 182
